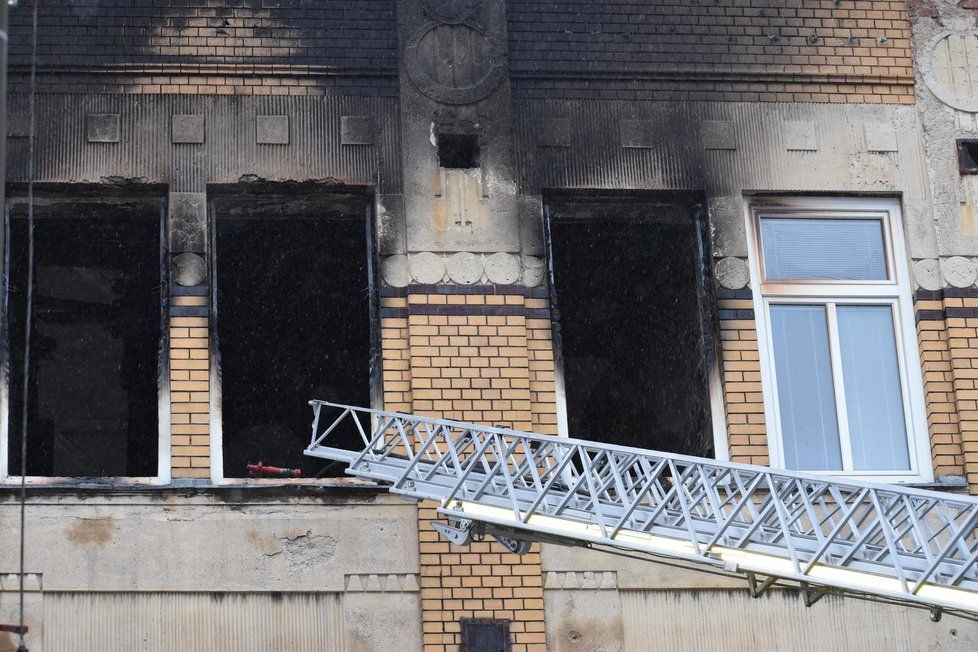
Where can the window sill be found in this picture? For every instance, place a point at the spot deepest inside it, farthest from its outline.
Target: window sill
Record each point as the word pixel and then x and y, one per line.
pixel 10 487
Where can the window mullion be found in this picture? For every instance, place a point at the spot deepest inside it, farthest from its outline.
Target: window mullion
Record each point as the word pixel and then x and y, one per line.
pixel 839 386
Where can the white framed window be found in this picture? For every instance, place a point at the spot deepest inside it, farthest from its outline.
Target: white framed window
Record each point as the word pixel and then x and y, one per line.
pixel 840 369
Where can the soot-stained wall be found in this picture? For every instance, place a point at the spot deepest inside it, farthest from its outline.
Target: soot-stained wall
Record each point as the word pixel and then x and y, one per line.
pixel 293 321
pixel 95 339
pixel 628 281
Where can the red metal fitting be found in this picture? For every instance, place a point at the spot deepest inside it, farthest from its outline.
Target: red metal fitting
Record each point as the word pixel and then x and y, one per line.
pixel 261 471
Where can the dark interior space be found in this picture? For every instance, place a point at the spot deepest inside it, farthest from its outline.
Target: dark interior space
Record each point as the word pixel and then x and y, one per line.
pixel 629 294
pixel 293 321
pixel 458 151
pixel 95 337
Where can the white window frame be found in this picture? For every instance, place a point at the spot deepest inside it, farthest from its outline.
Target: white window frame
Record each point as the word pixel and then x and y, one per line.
pixel 895 292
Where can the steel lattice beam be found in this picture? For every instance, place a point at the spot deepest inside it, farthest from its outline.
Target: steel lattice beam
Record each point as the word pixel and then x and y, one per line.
pixel 899 543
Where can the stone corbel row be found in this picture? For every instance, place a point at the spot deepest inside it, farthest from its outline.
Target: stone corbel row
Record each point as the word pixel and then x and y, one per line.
pixel 463 268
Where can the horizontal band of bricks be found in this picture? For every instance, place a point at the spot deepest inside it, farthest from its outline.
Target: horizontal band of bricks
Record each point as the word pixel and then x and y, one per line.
pixel 951 293
pixel 189 311
pixel 456 310
pixel 192 291
pixel 713 76
pixel 520 290
pixel 742 293
pixel 185 68
pixel 735 314
pixel 947 312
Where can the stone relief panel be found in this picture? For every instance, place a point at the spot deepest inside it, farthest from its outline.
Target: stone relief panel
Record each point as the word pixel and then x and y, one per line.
pixel 451 59
pixel 950 70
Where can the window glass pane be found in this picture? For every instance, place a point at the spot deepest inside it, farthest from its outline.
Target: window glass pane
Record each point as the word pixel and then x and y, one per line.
pixel 806 399
pixel 874 402
pixel 833 249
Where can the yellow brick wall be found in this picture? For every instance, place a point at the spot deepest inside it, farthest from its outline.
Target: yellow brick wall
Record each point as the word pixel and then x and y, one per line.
pixel 938 380
pixel 540 352
pixel 740 370
pixel 189 390
pixel 962 334
pixel 469 357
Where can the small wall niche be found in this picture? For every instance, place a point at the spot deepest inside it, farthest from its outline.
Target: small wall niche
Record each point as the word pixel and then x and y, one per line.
pixel 459 151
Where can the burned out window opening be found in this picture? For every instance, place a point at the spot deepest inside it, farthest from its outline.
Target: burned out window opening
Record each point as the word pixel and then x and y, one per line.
pixel 632 329
pixel 292 310
pixel 96 336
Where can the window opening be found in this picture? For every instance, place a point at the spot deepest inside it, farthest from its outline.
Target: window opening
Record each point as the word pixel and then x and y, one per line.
pixel 96 333
pixel 293 322
pixel 627 279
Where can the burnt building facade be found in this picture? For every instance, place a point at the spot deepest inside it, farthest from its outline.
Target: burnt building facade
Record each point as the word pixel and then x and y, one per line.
pixel 725 229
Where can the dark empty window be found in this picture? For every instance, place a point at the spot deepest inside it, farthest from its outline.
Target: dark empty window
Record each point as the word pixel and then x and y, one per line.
pixel 458 151
pixel 968 155
pixel 628 291
pixel 293 323
pixel 95 340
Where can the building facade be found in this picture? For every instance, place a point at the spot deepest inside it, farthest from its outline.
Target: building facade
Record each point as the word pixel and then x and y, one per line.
pixel 736 229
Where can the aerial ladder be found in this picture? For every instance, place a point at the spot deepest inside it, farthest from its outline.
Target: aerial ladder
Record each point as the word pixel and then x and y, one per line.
pixel 770 526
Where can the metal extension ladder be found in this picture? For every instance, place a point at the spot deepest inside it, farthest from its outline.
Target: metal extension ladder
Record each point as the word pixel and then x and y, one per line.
pixel 769 525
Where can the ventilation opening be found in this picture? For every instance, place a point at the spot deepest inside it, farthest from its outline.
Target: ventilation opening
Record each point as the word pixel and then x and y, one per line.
pixel 458 151
pixel 293 322
pixel 968 155
pixel 95 338
pixel 628 283
pixel 485 635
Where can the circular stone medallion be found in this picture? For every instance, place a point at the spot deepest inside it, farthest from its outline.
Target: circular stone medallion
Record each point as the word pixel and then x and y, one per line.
pixel 453 64
pixel 950 69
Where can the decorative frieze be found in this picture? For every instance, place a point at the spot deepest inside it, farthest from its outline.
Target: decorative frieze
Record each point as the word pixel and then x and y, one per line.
pixel 462 268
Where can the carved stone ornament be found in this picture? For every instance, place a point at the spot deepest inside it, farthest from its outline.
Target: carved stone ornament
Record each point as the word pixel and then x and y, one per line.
pixel 452 60
pixel 950 69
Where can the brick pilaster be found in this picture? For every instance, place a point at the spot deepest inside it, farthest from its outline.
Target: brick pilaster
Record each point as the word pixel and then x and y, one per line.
pixel 938 380
pixel 189 386
pixel 468 357
pixel 961 309
pixel 741 377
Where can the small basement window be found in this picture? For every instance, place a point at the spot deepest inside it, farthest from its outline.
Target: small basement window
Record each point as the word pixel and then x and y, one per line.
pixel 629 293
pixel 293 321
pixel 95 341
pixel 460 151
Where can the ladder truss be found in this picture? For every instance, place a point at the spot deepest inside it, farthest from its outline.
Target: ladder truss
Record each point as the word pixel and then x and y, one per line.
pixel 902 544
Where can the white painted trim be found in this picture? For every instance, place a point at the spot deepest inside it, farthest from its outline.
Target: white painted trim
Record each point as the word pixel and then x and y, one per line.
pixel 560 391
pixel 838 380
pixel 718 413
pixel 216 422
pixel 163 419
pixel 895 292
